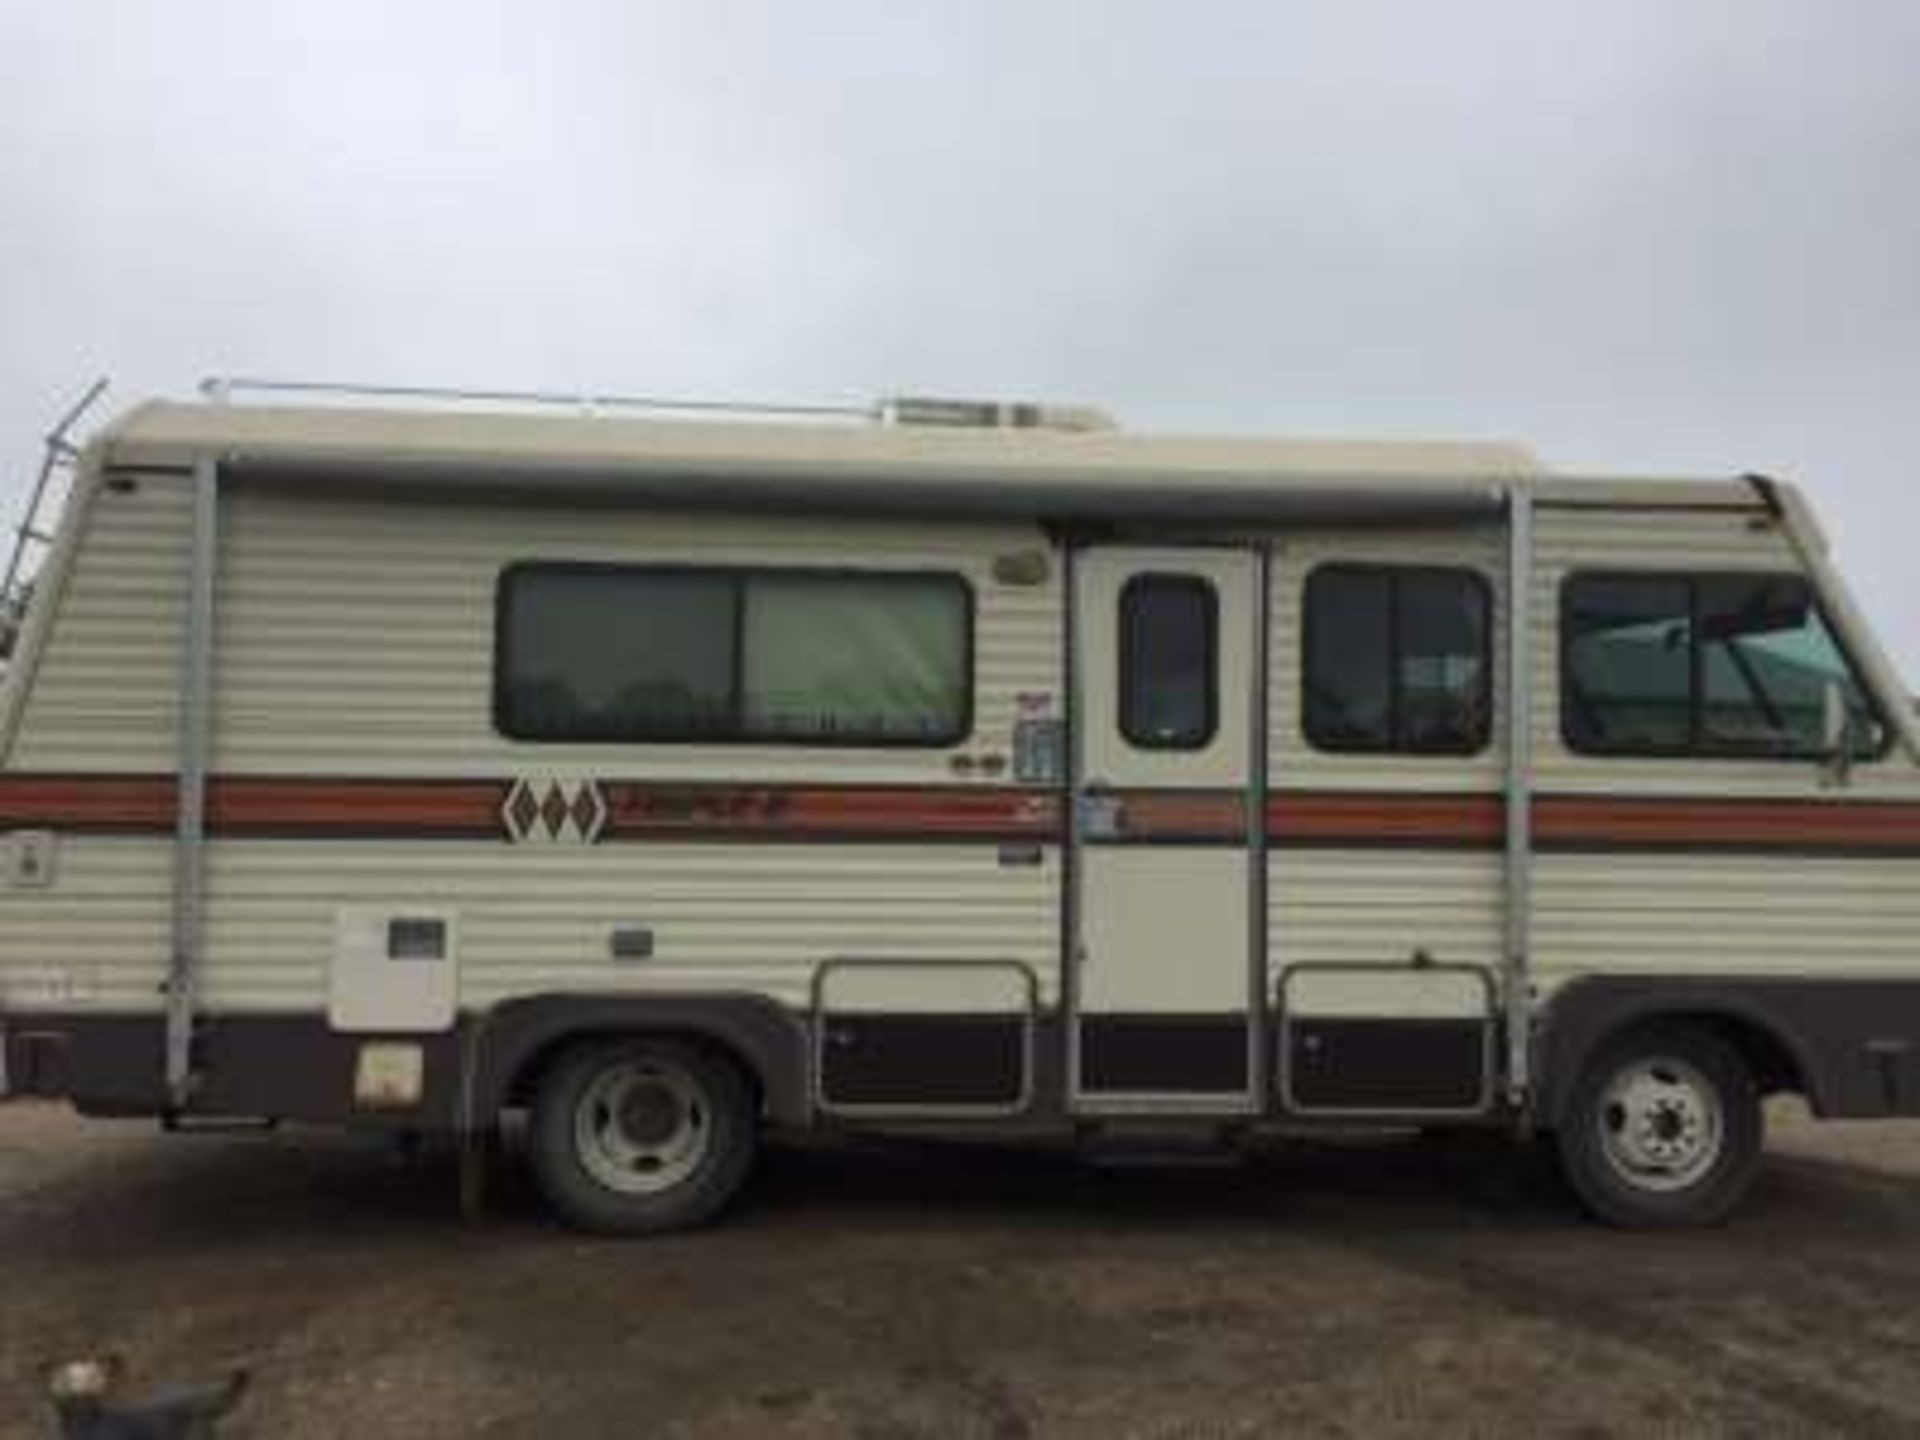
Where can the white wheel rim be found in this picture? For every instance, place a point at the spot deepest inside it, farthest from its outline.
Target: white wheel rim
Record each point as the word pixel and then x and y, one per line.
pixel 642 1126
pixel 1662 1126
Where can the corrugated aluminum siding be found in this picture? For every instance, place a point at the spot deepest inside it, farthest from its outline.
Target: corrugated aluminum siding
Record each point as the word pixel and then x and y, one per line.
pixel 1378 907
pixel 750 918
pixel 355 637
pixel 105 694
pixel 1724 915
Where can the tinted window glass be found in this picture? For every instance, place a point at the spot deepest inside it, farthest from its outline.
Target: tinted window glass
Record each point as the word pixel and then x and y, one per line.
pixel 1396 659
pixel 593 654
pixel 1441 661
pixel 601 652
pixel 1349 682
pixel 1167 662
pixel 1628 664
pixel 1717 664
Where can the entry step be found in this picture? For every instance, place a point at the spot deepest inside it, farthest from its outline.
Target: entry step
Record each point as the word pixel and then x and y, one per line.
pixel 1136 1146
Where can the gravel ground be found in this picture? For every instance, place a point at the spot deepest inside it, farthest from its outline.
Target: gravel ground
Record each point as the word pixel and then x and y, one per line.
pixel 1380 1290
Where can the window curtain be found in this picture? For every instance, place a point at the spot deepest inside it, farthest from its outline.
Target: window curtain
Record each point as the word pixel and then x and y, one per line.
pixel 823 655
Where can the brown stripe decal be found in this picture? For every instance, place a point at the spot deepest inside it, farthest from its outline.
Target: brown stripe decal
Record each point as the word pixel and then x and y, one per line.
pixel 1800 826
pixel 95 802
pixel 903 814
pixel 257 806
pixel 327 807
pixel 381 807
pixel 1310 818
pixel 1313 818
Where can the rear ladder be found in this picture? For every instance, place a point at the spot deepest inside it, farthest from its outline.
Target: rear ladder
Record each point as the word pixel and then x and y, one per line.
pixel 35 532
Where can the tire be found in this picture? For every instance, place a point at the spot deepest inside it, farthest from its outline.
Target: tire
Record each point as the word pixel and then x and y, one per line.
pixel 1663 1129
pixel 638 1135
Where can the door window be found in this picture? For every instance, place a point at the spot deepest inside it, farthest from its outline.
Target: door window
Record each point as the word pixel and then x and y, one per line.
pixel 1169 662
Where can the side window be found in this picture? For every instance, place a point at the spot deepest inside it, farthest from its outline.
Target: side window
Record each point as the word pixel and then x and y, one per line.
pixel 1736 665
pixel 1169 662
pixel 661 654
pixel 1627 667
pixel 1397 659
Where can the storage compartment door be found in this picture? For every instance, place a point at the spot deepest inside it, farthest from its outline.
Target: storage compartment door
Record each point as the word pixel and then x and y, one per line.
pixel 924 1037
pixel 1386 1041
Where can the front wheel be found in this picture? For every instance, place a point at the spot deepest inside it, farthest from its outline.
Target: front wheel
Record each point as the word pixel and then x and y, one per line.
pixel 636 1135
pixel 1663 1129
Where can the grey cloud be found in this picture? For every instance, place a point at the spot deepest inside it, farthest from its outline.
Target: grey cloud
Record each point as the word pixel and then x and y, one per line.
pixel 1641 235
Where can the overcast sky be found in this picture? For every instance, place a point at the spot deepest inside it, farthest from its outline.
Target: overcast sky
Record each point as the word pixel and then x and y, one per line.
pixel 1641 234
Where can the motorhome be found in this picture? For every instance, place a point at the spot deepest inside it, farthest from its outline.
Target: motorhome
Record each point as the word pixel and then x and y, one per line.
pixel 975 769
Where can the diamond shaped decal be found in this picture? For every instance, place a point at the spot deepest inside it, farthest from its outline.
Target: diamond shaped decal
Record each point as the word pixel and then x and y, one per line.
pixel 521 810
pixel 586 810
pixel 552 809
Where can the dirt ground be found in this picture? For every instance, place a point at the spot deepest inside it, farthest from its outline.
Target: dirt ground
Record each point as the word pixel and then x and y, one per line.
pixel 1397 1289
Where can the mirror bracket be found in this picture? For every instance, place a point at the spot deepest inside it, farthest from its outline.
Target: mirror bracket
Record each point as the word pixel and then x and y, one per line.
pixel 1836 735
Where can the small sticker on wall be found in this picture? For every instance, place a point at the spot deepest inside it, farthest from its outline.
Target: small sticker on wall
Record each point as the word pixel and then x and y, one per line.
pixel 1039 751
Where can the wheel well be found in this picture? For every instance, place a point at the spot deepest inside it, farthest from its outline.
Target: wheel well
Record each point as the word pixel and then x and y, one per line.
pixel 527 1074
pixel 1775 1070
pixel 1774 1067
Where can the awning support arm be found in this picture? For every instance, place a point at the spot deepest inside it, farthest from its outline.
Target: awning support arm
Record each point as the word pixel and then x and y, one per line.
pixel 189 861
pixel 1518 930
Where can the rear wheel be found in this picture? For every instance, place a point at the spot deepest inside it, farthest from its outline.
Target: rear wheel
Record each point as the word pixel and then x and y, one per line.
pixel 637 1135
pixel 1663 1129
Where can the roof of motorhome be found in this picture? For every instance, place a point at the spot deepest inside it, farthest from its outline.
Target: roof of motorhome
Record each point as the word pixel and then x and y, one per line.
pixel 852 466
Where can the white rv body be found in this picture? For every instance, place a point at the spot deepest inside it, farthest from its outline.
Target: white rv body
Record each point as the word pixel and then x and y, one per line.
pixel 272 851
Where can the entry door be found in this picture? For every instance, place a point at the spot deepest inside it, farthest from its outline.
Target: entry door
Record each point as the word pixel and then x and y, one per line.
pixel 1169 733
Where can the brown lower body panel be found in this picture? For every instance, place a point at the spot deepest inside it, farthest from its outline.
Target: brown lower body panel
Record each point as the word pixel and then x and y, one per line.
pixel 1852 1045
pixel 283 1067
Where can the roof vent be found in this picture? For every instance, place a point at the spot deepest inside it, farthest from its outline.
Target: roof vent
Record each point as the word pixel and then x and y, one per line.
pixel 991 414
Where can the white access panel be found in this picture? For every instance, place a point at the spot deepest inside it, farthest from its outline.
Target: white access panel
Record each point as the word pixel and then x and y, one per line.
pixel 925 987
pixel 1396 992
pixel 395 970
pixel 1169 934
